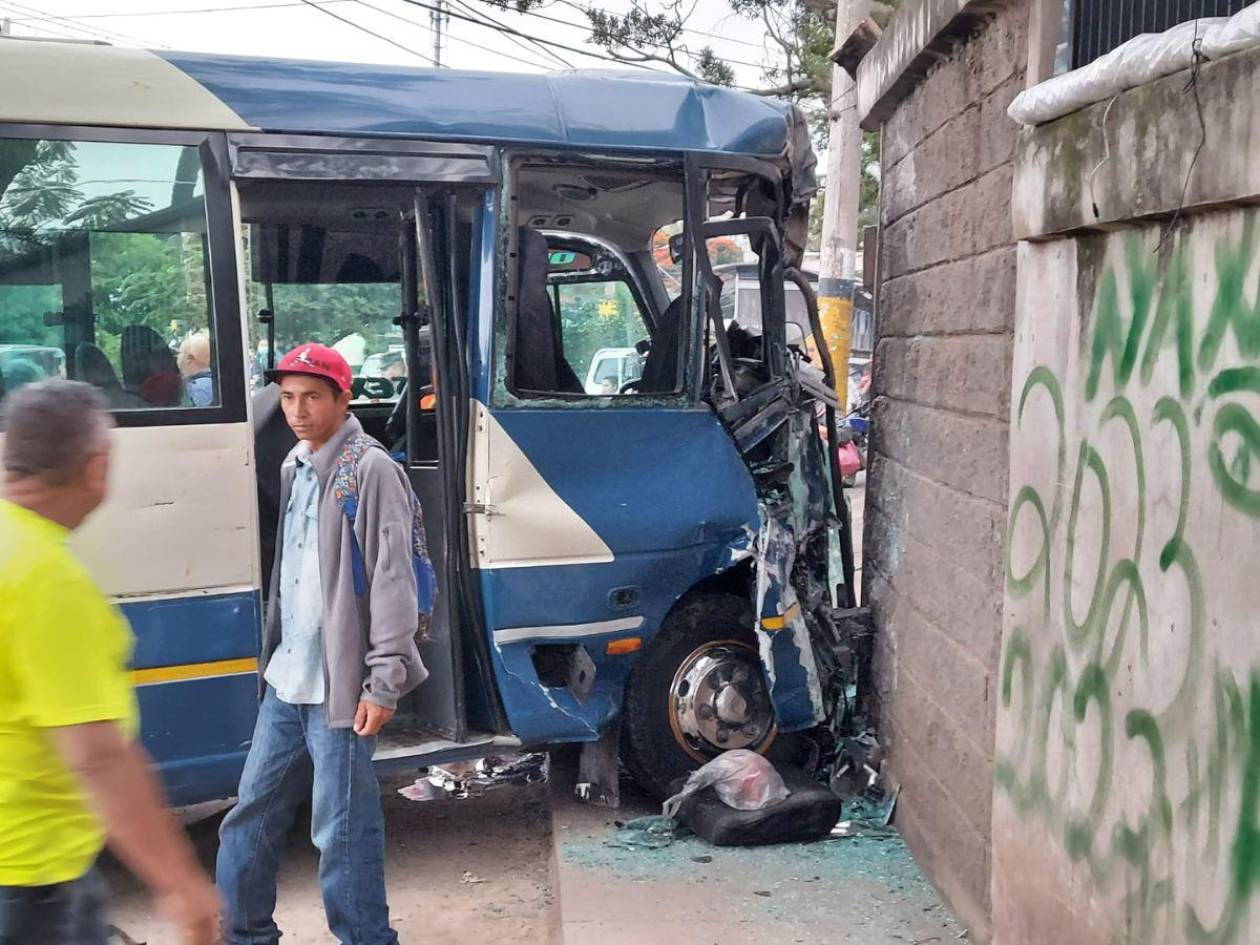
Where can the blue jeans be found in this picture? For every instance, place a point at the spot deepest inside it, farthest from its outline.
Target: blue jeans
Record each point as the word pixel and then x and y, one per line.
pixel 71 913
pixel 296 755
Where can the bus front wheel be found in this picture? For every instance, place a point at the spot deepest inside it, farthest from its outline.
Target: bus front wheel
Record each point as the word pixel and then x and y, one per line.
pixel 698 690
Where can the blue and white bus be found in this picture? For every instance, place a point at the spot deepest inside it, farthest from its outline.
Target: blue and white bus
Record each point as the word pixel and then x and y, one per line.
pixel 652 568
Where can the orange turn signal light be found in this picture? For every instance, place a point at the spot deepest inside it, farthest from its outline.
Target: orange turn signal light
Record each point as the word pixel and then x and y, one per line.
pixel 624 645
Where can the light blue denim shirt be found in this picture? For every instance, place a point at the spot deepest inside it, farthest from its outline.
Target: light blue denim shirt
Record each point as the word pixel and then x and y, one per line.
pixel 296 669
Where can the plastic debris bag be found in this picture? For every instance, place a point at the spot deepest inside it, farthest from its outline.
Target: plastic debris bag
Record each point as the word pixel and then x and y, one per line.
pixel 741 778
pixel 1142 59
pixel 1241 31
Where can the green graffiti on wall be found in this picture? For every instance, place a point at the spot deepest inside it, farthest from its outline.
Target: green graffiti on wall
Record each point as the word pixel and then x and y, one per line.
pixel 1082 638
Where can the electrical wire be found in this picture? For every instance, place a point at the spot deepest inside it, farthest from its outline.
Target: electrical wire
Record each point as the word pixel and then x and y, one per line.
pixel 48 29
pixel 521 43
pixel 243 7
pixel 546 42
pixel 283 4
pixel 1192 86
pixel 364 29
pixel 66 22
pixel 476 19
pixel 498 52
pixel 686 29
pixel 453 37
pixel 587 10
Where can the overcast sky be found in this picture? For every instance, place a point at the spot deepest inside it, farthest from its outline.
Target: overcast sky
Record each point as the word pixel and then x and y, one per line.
pixel 296 29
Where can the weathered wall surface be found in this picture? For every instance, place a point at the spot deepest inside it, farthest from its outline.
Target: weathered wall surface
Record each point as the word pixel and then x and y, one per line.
pixel 1128 755
pixel 937 489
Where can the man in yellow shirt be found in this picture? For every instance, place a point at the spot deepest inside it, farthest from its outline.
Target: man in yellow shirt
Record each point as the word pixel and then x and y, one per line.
pixel 71 772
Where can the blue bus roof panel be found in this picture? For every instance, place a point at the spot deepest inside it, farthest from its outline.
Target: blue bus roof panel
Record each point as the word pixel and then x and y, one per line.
pixel 584 109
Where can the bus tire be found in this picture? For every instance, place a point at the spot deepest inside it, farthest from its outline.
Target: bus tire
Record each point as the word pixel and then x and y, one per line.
pixel 706 645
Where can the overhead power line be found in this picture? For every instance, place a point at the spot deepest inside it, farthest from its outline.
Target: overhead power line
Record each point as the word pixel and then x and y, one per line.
pixel 523 44
pixel 546 42
pixel 582 9
pixel 686 29
pixel 52 30
pixel 363 29
pixel 65 22
pixel 136 14
pixel 451 36
pixel 283 4
pixel 473 17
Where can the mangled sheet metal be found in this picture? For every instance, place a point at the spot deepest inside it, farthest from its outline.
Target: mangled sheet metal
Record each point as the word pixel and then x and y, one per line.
pixel 799 571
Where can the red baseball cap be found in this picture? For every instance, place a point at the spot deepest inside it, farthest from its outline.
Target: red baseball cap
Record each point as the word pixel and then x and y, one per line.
pixel 316 360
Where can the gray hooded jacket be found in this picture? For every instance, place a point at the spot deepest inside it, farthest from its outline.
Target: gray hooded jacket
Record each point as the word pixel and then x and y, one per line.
pixel 370 640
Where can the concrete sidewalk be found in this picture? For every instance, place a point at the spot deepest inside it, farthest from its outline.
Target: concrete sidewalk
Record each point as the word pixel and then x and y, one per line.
pixel 857 891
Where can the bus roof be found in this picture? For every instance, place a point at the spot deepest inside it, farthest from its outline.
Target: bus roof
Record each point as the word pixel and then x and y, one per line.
pixel 627 110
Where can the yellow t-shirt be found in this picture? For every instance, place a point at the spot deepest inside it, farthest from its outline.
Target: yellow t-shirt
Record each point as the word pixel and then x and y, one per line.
pixel 63 661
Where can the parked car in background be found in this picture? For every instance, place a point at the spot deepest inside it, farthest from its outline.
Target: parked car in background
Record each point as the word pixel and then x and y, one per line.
pixel 24 364
pixel 611 369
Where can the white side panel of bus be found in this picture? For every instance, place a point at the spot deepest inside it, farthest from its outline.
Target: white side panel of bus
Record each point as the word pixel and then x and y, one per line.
pixel 518 520
pixel 131 88
pixel 180 516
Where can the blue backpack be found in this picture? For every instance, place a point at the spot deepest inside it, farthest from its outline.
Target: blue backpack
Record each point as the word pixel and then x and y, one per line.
pixel 345 485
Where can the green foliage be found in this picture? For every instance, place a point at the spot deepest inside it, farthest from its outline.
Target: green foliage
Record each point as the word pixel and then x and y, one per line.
pixel 23 308
pixel 329 313
pixel 585 328
pixel 137 278
pixel 713 69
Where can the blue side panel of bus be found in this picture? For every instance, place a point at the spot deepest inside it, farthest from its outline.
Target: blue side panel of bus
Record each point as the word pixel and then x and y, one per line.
pixel 197 729
pixel 668 493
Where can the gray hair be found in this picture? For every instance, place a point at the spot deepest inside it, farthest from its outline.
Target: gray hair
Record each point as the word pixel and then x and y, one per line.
pixel 51 429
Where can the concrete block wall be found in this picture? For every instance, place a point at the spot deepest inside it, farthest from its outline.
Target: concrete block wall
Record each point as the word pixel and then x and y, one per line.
pixel 937 493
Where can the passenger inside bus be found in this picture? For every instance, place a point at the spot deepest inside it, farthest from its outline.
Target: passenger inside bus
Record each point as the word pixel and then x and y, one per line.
pixel 92 366
pixel 195 366
pixel 149 368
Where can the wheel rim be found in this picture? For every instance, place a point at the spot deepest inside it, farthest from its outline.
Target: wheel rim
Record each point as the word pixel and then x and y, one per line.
pixel 719 701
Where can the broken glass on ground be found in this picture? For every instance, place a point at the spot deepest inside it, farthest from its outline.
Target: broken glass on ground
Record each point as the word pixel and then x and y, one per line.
pixel 464 779
pixel 654 832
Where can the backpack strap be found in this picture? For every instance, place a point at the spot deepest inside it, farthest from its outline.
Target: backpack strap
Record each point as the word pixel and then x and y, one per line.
pixel 345 486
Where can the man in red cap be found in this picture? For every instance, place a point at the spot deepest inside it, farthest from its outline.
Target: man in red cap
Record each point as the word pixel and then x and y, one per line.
pixel 338 651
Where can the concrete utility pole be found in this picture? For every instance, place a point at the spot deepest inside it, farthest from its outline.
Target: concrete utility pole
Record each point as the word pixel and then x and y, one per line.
pixel 437 19
pixel 838 265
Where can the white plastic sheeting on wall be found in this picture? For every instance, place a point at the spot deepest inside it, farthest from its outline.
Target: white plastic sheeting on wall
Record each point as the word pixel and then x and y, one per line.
pixel 1241 31
pixel 1142 59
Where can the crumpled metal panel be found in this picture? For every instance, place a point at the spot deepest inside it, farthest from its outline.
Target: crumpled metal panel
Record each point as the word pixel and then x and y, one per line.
pixel 794 512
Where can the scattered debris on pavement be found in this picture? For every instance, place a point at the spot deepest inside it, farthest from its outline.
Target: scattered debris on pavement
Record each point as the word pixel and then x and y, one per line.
pixel 740 798
pixel 654 832
pixel 741 779
pixel 475 778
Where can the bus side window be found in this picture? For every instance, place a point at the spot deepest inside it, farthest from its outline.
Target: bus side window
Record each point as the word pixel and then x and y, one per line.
pixel 592 313
pixel 104 271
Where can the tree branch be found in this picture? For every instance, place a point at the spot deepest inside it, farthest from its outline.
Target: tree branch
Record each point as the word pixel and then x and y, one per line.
pixel 795 87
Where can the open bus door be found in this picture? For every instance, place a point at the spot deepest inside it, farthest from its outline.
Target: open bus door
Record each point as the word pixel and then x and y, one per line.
pixel 371 247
